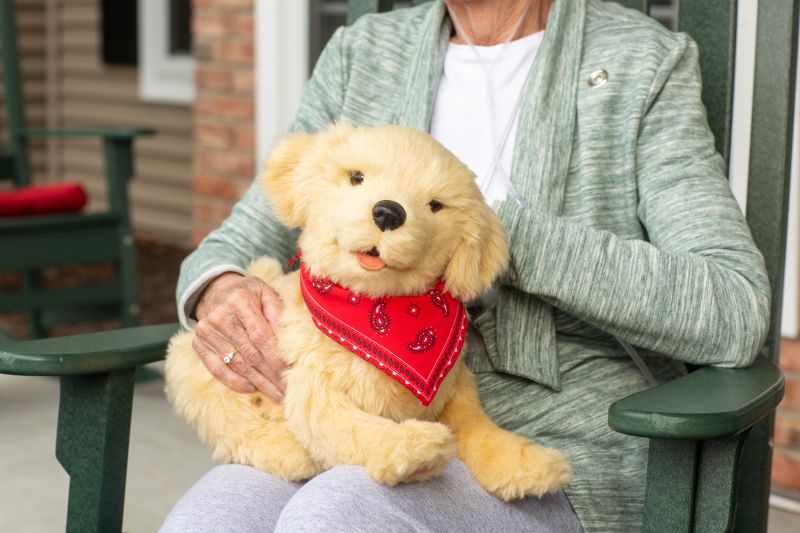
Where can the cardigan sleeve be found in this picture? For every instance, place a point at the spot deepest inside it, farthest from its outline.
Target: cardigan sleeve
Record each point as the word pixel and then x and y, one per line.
pixel 251 230
pixel 697 289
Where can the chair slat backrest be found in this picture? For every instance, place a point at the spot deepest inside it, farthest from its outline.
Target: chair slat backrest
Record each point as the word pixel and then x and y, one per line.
pixel 767 214
pixel 13 99
pixel 771 143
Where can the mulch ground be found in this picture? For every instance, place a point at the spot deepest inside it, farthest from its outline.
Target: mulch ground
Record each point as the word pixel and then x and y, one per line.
pixel 158 266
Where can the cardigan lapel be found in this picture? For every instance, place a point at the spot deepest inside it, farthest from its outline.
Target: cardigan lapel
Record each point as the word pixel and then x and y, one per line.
pixel 547 114
pixel 426 69
pixel 526 336
pixel 539 169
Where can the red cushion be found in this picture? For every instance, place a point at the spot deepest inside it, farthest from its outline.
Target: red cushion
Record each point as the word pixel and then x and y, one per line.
pixel 43 200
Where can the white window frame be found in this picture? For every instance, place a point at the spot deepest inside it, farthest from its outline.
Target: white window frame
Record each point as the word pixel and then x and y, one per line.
pixel 281 66
pixel 163 77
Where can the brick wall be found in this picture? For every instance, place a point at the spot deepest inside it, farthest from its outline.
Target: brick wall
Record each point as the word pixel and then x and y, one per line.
pixel 223 163
pixel 786 460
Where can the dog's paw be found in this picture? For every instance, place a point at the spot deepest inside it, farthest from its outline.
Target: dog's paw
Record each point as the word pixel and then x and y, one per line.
pixel 416 451
pixel 516 468
pixel 540 471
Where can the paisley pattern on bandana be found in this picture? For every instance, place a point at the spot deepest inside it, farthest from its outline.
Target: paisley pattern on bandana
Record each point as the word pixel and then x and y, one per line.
pixel 424 341
pixel 439 301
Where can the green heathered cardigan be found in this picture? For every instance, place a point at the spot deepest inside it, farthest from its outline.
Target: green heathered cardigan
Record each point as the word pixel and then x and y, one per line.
pixel 628 229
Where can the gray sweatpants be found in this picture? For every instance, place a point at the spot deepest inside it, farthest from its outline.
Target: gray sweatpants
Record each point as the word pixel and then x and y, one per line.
pixel 243 499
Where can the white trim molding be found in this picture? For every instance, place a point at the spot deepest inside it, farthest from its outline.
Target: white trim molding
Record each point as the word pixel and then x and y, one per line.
pixel 163 77
pixel 281 67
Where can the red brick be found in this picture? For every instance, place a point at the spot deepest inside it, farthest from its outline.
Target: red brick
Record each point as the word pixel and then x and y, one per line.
pixel 221 78
pixel 787 428
pixel 786 469
pixel 791 395
pixel 225 163
pixel 207 135
pixel 213 186
pixel 246 138
pixel 212 213
pixel 244 82
pixel 240 52
pixel 210 24
pixel 233 107
pixel 242 25
pixel 223 4
pixel 790 355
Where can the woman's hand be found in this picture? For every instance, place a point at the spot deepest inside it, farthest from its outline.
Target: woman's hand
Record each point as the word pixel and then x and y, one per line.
pixel 235 314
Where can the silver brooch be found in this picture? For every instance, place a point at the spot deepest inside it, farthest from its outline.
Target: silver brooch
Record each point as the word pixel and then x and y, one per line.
pixel 598 78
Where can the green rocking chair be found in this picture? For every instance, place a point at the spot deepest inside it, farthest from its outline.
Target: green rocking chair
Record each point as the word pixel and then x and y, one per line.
pixel 710 455
pixel 30 243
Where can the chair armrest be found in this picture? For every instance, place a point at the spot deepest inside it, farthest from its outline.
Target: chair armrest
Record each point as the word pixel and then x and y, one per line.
pixel 709 403
pixel 106 133
pixel 91 353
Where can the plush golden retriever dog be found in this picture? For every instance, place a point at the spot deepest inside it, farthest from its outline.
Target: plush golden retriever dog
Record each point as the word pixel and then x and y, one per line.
pixel 340 409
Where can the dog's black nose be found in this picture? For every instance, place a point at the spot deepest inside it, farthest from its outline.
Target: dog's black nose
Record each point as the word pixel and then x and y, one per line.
pixel 388 215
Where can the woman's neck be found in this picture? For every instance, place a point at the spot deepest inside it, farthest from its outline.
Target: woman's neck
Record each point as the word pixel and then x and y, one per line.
pixel 490 22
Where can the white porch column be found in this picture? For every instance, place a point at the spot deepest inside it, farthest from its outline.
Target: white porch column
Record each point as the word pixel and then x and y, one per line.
pixel 281 66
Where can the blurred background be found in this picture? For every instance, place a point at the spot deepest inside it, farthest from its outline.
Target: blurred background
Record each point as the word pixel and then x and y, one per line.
pixel 218 80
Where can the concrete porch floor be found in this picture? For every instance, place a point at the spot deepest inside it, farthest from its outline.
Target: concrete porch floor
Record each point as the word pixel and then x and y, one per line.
pixel 165 459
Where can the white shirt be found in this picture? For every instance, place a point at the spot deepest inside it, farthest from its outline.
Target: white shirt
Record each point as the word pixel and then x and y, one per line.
pixel 461 118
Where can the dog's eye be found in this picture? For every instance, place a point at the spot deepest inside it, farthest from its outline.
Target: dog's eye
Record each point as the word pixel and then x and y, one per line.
pixel 356 177
pixel 435 205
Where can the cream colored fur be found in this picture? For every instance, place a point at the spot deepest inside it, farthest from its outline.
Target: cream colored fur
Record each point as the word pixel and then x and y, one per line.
pixel 339 409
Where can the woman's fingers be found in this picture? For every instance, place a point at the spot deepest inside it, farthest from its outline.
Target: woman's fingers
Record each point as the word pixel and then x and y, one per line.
pixel 240 323
pixel 262 347
pixel 238 328
pixel 213 362
pixel 240 366
pixel 271 305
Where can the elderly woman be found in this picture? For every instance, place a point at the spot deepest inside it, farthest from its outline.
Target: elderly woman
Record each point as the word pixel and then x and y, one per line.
pixel 584 124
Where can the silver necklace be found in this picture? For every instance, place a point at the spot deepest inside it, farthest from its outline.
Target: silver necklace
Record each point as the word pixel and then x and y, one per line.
pixel 499 144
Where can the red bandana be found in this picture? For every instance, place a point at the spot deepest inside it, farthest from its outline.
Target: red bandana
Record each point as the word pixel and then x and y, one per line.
pixel 414 339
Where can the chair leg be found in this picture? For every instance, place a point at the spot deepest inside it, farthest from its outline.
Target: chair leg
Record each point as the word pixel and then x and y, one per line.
pixel 92 445
pixel 129 283
pixel 717 480
pixel 32 279
pixel 671 475
pixel 756 461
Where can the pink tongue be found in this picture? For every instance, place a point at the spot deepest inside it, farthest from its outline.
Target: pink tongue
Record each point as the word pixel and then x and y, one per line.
pixel 370 262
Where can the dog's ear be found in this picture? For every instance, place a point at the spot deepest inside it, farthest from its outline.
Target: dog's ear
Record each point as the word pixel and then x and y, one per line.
pixel 480 257
pixel 281 179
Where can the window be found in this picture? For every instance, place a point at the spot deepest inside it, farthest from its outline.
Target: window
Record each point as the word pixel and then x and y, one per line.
pixel 180 27
pixel 166 65
pixel 324 17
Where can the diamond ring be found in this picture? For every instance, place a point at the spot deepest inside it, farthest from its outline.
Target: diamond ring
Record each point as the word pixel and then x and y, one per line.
pixel 228 357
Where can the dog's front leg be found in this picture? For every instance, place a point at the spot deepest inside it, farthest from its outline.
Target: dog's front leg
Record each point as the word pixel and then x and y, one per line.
pixel 505 464
pixel 336 432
